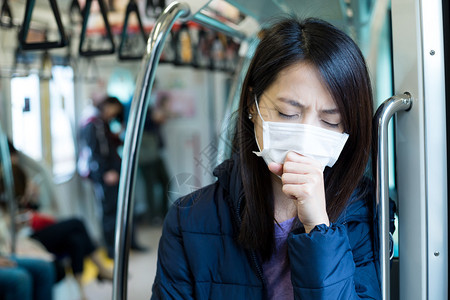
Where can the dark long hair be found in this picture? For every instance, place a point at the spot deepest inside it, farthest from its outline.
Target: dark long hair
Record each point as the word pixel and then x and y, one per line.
pixel 108 100
pixel 343 70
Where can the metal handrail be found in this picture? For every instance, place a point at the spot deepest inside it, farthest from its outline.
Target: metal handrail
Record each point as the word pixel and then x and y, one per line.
pixel 133 137
pixel 384 113
pixel 214 24
pixel 8 183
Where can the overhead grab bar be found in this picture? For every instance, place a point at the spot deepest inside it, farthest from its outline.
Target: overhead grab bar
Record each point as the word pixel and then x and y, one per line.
pixel 133 137
pixel 384 113
pixel 26 27
pixel 214 24
pixel 86 13
pixel 131 7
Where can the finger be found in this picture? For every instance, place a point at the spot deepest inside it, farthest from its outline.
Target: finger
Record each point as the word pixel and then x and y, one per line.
pixel 301 168
pixel 295 157
pixel 275 168
pixel 291 178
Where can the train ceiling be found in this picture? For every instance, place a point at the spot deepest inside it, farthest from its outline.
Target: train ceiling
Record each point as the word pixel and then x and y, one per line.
pixel 40 21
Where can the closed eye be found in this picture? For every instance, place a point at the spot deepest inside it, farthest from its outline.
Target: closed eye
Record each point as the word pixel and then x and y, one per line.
pixel 288 117
pixel 331 125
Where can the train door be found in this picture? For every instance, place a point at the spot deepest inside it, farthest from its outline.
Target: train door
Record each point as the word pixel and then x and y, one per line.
pixel 421 139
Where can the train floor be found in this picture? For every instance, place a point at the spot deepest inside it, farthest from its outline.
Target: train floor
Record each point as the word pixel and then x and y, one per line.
pixel 141 273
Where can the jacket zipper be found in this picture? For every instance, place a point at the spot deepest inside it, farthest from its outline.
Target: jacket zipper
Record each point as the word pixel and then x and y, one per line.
pixel 258 268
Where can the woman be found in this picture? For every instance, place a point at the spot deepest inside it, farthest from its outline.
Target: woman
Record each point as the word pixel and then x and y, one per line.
pixel 300 225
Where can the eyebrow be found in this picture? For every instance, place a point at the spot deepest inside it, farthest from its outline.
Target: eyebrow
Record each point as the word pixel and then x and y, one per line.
pixel 332 111
pixel 291 102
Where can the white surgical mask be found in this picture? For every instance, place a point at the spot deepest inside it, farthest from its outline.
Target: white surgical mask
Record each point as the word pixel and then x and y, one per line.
pixel 279 138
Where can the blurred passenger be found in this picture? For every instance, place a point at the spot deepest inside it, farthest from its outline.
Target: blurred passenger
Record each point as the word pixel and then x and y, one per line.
pixel 63 238
pixel 151 162
pixel 70 238
pixel 100 162
pixel 99 150
pixel 30 272
pixel 26 278
pixel 40 177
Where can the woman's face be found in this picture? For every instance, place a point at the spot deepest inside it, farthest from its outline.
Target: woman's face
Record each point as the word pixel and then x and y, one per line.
pixel 297 96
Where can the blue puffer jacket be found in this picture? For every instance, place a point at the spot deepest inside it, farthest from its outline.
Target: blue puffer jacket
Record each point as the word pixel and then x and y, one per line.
pixel 199 258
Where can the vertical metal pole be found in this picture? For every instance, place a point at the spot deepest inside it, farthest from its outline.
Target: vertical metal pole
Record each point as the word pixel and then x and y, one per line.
pixel 382 117
pixel 8 183
pixel 132 142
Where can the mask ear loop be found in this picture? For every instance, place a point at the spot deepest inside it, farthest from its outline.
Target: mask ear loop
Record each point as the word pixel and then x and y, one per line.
pixel 254 130
pixel 256 139
pixel 257 108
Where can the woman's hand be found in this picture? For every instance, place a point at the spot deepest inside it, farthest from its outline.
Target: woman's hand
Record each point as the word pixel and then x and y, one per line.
pixel 302 180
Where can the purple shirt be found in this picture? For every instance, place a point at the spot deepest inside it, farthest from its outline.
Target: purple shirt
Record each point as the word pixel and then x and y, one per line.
pixel 277 270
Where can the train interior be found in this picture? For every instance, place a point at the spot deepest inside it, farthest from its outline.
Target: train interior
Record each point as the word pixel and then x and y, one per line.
pixel 59 58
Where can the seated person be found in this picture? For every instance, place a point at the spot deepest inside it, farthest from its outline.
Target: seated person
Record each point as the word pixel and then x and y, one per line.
pixel 26 278
pixel 29 273
pixel 63 238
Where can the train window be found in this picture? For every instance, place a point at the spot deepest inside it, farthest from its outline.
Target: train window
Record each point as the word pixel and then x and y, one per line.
pixel 26 115
pixel 61 112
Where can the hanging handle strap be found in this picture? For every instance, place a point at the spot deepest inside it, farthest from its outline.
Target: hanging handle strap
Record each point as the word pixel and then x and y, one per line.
pixel 131 8
pixel 86 14
pixel 63 41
